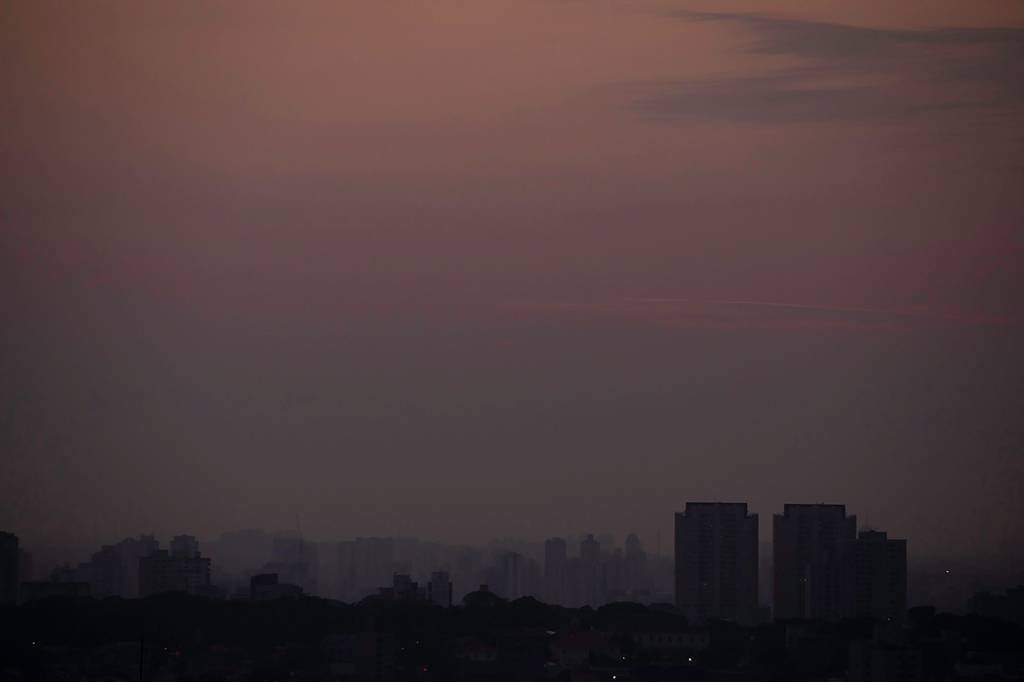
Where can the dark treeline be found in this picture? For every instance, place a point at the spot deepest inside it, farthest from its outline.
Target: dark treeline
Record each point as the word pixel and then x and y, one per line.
pixel 180 637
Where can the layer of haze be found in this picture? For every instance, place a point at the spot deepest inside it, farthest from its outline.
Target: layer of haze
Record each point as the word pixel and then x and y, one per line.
pixel 484 268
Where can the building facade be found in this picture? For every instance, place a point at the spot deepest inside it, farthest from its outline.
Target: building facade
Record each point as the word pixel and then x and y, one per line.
pixel 439 589
pixel 555 560
pixel 180 570
pixel 114 569
pixel 880 574
pixel 812 551
pixel 9 554
pixel 716 562
pixel 364 566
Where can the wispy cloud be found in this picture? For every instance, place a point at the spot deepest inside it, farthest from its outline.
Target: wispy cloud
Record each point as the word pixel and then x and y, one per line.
pixel 739 314
pixel 843 42
pixel 849 73
pixel 790 97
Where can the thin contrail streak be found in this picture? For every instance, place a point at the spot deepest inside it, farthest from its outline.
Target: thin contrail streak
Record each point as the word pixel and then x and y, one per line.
pixel 783 304
pixel 612 305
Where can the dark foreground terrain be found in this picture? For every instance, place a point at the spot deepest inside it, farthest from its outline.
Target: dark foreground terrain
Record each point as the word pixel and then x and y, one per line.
pixel 174 637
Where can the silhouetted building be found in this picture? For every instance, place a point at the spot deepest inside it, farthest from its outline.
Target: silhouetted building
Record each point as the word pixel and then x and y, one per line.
pixel 25 566
pixel 874 662
pixel 555 561
pixel 364 565
pixel 513 572
pixel 184 547
pixel 637 579
pixel 403 588
pixel 482 598
pixel 574 583
pixel 613 577
pixel 812 553
pixel 345 559
pixel 589 572
pixel 180 570
pixel 889 657
pixel 114 570
pixel 716 562
pixel 8 568
pixel 439 589
pixel 516 575
pixel 240 551
pixel 32 591
pixel 1008 606
pixel 296 561
pixel 265 586
pixel 880 570
pixel 64 581
pixel 590 549
pixel 261 581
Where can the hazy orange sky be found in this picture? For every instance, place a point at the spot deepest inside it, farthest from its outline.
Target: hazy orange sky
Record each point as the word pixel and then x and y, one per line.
pixel 480 268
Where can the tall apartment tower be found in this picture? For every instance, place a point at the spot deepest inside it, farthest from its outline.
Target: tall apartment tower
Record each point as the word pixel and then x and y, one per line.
pixel 636 568
pixel 296 561
pixel 114 570
pixel 716 562
pixel 439 589
pixel 184 547
pixel 374 563
pixel 513 572
pixel 180 570
pixel 589 575
pixel 880 567
pixel 555 563
pixel 8 568
pixel 813 547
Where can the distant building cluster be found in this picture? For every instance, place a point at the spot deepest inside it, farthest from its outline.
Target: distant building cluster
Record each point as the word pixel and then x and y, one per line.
pixel 130 569
pixel 181 569
pixel 592 575
pixel 13 564
pixel 596 576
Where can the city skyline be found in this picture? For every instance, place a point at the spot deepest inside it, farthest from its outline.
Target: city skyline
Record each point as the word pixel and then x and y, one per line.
pixel 654 543
pixel 553 340
pixel 717 568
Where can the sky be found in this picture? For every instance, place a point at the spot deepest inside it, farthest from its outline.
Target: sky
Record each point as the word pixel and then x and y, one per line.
pixel 466 269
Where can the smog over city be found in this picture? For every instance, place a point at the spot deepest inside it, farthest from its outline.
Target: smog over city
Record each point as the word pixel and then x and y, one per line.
pixel 697 314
